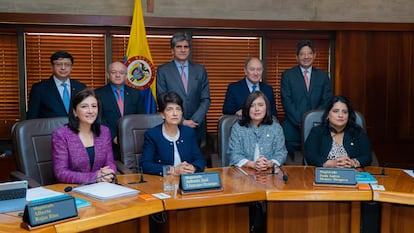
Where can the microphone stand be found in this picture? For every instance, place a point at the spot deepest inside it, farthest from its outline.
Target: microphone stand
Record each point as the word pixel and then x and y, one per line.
pixel 141 178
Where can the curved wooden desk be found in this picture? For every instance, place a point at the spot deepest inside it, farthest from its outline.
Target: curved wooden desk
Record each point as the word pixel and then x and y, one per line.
pixel 127 214
pixel 295 206
pixel 397 200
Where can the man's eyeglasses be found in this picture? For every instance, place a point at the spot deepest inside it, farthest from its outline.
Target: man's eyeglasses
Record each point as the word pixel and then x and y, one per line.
pixel 60 64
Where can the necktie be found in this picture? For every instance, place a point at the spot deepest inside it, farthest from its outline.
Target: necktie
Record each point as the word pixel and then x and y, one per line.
pixel 119 101
pixel 254 88
pixel 305 75
pixel 184 78
pixel 65 97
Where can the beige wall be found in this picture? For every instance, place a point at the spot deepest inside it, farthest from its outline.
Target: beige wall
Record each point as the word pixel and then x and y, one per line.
pixel 307 10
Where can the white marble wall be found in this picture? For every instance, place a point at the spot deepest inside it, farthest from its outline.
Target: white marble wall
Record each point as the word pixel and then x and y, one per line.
pixel 307 10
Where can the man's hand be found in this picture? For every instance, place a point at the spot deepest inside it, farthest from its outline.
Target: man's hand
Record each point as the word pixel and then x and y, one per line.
pixel 190 123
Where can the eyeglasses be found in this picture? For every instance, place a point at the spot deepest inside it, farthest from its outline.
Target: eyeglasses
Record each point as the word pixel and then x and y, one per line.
pixel 60 64
pixel 305 54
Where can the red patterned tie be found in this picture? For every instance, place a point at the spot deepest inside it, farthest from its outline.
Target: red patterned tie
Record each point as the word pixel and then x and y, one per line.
pixel 305 75
pixel 184 78
pixel 120 102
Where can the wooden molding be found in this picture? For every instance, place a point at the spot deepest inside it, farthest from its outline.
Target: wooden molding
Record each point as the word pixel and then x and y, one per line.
pixel 197 23
pixel 150 6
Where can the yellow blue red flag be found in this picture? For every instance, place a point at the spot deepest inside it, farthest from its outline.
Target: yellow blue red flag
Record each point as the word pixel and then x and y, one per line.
pixel 141 70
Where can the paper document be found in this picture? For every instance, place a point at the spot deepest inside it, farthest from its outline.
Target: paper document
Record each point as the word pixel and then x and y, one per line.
pixel 41 193
pixel 105 191
pixel 410 172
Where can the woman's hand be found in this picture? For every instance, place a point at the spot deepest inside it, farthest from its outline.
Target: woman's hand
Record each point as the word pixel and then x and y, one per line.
pixel 345 162
pixel 104 171
pixel 262 164
pixel 184 168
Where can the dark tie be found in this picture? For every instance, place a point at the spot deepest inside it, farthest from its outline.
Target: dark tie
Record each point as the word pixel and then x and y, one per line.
pixel 65 97
pixel 119 101
pixel 254 88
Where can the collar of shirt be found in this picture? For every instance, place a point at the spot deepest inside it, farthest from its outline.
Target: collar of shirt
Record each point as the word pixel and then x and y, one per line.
pixel 59 86
pixel 309 71
pixel 250 85
pixel 179 67
pixel 121 88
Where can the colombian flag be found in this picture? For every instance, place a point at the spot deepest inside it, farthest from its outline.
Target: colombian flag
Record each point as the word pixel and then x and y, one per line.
pixel 141 70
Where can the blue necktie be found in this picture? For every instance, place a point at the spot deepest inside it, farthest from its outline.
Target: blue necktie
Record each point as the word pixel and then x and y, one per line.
pixel 66 98
pixel 254 88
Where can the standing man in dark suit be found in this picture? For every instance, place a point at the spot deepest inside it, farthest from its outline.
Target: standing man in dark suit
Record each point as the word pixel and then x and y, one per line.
pixel 51 97
pixel 118 100
pixel 303 88
pixel 238 91
pixel 189 80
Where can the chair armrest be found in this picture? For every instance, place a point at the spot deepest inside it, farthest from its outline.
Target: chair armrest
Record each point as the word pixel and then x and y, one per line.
pixel 17 175
pixel 122 169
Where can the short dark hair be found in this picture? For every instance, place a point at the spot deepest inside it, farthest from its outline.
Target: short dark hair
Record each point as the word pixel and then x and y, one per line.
pixel 74 120
pixel 60 54
pixel 180 36
pixel 169 97
pixel 245 119
pixel 351 124
pixel 302 44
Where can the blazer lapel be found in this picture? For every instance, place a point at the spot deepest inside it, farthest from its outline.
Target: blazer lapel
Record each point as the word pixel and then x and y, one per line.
pixel 55 93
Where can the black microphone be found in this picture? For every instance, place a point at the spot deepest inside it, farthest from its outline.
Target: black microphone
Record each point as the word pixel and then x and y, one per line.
pixel 285 177
pixel 5 153
pixel 70 188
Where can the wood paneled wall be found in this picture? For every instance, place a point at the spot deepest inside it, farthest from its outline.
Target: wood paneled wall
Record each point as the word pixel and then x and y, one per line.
pixel 375 69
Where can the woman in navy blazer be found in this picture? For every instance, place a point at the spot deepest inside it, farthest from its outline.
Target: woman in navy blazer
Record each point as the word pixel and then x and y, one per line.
pixel 171 143
pixel 338 141
pixel 82 149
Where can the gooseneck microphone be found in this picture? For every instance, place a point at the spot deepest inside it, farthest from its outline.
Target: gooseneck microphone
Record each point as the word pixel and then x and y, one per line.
pixel 70 188
pixel 285 177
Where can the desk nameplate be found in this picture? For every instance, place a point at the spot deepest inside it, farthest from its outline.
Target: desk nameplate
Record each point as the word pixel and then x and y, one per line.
pixel 41 213
pixel 200 182
pixel 335 176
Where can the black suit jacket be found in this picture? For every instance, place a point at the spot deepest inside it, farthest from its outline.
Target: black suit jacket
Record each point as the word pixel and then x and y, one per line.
pixel 319 143
pixel 45 100
pixel 237 93
pixel 296 100
pixel 133 104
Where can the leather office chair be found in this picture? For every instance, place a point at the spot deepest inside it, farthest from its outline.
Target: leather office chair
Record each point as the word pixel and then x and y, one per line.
pixel 314 118
pixel 32 147
pixel 225 123
pixel 131 136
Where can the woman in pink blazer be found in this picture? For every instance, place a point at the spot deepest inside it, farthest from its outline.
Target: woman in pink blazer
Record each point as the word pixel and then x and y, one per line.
pixel 82 149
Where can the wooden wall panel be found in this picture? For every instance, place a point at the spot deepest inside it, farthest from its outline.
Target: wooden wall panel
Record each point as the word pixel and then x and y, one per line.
pixel 375 70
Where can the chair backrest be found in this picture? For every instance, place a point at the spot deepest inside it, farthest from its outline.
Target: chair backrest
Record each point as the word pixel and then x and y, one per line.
pixel 32 147
pixel 131 136
pixel 314 118
pixel 225 123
